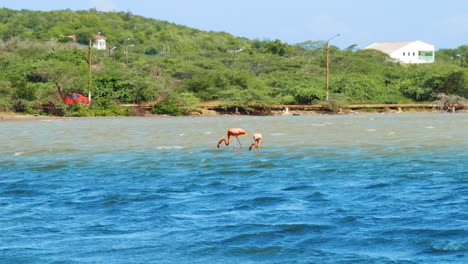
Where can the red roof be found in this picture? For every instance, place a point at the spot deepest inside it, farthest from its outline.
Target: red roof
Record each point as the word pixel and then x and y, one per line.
pixel 98 37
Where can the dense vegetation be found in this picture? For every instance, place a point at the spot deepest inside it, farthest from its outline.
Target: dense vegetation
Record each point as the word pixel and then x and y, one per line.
pixel 175 68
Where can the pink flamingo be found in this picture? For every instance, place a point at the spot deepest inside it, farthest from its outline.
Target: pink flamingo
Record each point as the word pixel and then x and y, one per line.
pixel 235 132
pixel 258 138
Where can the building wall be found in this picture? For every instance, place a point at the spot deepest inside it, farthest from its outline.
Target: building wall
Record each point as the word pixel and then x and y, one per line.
pixel 100 44
pixel 415 52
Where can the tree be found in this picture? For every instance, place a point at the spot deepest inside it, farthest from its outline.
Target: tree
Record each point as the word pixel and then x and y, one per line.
pixel 63 76
pixel 424 82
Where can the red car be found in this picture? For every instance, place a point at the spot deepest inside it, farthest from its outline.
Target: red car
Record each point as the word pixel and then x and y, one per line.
pixel 72 98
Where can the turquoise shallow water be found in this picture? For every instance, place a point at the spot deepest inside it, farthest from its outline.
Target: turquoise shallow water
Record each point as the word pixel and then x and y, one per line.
pixel 377 188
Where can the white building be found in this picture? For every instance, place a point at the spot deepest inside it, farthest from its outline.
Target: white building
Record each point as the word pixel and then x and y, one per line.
pixel 99 42
pixel 407 52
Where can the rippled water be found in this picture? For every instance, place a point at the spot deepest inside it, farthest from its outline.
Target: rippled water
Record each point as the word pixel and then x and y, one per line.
pixel 372 188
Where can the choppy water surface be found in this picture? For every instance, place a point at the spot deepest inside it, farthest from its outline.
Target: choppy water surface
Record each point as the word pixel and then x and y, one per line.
pixel 377 188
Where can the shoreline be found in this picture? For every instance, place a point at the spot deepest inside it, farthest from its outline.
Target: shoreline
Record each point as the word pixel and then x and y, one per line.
pixel 8 116
pixel 11 116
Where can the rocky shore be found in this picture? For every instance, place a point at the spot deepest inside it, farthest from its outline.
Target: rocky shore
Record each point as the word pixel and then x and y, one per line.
pixel 9 116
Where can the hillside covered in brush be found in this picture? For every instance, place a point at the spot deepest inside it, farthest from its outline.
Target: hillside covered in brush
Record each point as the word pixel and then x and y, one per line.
pixel 45 55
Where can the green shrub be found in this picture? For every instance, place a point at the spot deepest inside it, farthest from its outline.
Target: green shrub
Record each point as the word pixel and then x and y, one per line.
pixel 5 104
pixel 167 106
pixel 78 110
pixel 105 107
pixel 23 107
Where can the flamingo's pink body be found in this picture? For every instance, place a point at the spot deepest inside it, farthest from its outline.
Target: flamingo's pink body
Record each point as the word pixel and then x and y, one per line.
pixel 234 132
pixel 258 138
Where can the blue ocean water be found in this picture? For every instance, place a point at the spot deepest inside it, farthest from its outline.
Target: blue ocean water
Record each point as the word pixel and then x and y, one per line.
pixel 370 188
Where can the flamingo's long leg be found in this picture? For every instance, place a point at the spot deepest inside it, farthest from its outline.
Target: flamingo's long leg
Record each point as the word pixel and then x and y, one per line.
pixel 240 146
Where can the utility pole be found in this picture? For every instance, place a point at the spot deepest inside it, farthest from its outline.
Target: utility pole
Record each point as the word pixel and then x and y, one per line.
pixel 327 72
pixel 126 53
pixel 89 65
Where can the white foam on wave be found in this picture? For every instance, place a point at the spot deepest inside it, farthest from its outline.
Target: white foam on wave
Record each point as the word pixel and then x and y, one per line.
pixel 321 125
pixel 19 153
pixel 277 134
pixel 371 129
pixel 208 133
pixel 429 127
pixel 170 147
